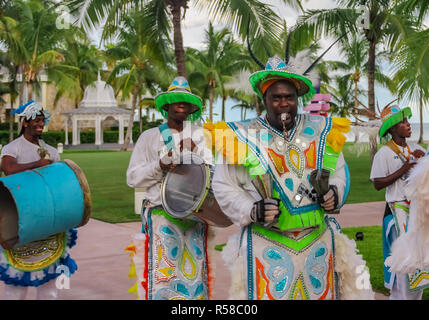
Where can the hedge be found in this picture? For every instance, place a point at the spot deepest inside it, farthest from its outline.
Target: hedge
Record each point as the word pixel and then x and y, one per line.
pixel 109 136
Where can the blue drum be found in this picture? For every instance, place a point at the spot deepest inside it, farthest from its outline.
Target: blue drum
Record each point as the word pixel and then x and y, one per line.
pixel 38 203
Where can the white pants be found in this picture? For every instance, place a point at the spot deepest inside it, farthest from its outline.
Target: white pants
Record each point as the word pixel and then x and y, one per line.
pixel 400 290
pixel 47 291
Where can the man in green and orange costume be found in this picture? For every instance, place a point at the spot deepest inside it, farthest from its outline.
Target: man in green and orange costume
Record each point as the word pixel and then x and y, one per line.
pixel 287 248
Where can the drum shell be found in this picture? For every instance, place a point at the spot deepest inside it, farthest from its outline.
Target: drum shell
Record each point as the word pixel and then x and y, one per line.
pixel 47 200
pixel 204 205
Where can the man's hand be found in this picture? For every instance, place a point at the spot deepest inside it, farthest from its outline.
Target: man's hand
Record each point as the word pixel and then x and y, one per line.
pixel 407 166
pixel 188 144
pixel 166 163
pixel 265 210
pixel 44 162
pixel 330 199
pixel 418 153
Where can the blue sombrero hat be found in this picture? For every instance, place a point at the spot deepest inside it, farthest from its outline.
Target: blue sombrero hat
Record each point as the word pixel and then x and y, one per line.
pixel 31 110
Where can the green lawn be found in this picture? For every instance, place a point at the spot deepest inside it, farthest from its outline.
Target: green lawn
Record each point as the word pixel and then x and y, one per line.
pixel 112 199
pixel 361 188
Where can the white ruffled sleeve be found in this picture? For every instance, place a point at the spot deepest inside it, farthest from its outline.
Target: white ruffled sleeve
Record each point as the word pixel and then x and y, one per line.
pixel 234 192
pixel 144 170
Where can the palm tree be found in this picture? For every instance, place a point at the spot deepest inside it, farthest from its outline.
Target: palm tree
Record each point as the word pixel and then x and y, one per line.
pixel 412 73
pixel 215 64
pixel 139 65
pixel 419 7
pixel 247 102
pixel 11 59
pixel 82 61
pixel 161 13
pixel 39 40
pixel 342 103
pixel 386 26
pixel 354 66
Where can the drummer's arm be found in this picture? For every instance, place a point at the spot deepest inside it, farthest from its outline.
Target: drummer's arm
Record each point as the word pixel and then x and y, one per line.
pixel 228 186
pixel 143 171
pixel 10 166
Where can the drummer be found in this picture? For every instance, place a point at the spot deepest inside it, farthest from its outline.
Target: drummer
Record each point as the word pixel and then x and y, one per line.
pixel 34 264
pixel 171 254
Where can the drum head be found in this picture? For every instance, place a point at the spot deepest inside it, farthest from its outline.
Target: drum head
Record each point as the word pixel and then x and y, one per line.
pixel 185 187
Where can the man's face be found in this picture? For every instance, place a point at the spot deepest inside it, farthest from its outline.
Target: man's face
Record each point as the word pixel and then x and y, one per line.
pixel 34 127
pixel 401 129
pixel 281 97
pixel 179 111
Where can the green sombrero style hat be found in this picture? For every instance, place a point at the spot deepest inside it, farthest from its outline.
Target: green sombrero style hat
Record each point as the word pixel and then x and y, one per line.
pixel 179 91
pixel 277 69
pixel 391 116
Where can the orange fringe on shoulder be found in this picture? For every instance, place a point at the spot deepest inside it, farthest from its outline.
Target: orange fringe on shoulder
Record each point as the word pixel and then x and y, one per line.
pixel 336 139
pixel 221 139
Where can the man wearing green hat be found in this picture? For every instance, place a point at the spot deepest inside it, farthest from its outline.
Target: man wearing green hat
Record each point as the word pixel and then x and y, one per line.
pixel 278 191
pixel 390 170
pixel 170 256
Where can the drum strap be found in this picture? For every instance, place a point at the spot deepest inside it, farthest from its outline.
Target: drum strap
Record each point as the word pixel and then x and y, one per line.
pixel 167 136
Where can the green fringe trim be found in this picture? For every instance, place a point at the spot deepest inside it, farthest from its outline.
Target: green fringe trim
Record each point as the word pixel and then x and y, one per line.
pixel 253 165
pixel 295 245
pixel 288 221
pixel 184 224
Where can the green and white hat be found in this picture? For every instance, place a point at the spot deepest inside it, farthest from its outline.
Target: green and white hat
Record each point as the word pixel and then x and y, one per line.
pixel 392 115
pixel 277 69
pixel 179 91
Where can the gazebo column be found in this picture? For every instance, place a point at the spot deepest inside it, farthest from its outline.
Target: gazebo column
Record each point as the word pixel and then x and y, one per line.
pixel 66 129
pixel 98 131
pixel 121 131
pixel 75 140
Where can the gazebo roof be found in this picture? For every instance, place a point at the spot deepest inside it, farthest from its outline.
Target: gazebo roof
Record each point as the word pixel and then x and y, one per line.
pixel 99 95
pixel 98 110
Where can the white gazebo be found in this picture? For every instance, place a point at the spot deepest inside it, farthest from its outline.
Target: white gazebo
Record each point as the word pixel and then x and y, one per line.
pixel 98 104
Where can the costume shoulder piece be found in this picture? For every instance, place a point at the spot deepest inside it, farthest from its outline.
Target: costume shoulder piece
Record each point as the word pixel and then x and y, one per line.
pixel 336 138
pixel 221 139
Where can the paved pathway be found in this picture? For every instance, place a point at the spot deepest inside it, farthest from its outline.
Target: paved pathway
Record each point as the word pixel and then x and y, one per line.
pixel 103 263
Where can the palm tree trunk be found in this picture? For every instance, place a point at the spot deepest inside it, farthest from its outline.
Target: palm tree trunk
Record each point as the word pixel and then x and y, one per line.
pixel 179 51
pixel 211 97
pixel 355 96
pixel 421 119
pixel 371 94
pixel 21 101
pixel 11 120
pixel 140 120
pixel 29 91
pixel 130 122
pixel 223 108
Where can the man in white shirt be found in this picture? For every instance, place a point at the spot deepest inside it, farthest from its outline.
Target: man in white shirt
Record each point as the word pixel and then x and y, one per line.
pixel 390 170
pixel 171 254
pixel 27 152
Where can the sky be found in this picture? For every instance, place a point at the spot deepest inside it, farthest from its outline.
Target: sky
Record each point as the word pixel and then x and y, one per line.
pixel 196 21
